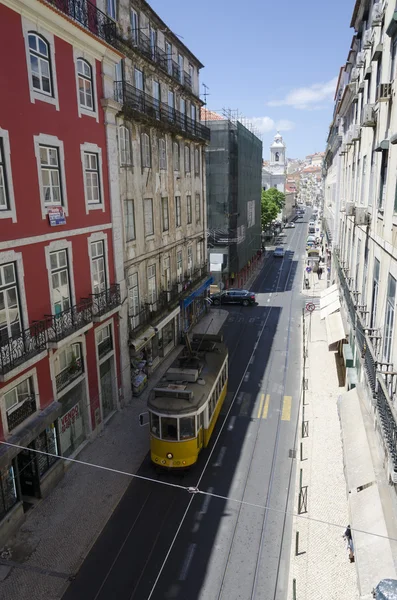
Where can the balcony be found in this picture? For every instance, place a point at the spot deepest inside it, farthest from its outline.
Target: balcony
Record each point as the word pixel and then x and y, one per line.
pixel 68 321
pixel 22 412
pixel 106 301
pixel 68 375
pixel 105 347
pixel 19 348
pixel 86 14
pixel 141 43
pixel 140 105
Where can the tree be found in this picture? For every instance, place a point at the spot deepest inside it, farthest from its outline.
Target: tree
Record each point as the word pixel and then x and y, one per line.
pixel 272 202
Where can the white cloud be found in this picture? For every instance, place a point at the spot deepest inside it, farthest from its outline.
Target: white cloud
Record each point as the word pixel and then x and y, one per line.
pixel 266 124
pixel 308 98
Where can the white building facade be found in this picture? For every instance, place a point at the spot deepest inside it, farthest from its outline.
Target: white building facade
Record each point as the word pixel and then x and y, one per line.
pixel 360 213
pixel 274 173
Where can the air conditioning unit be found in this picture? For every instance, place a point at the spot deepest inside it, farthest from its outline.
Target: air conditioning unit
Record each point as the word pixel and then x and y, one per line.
pixel 360 60
pixel 368 39
pixel 383 93
pixel 354 75
pixel 356 133
pixel 369 116
pixel 361 216
pixel 349 138
pixel 377 14
pixel 349 209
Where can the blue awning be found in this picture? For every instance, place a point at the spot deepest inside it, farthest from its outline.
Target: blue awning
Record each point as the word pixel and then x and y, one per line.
pixel 197 292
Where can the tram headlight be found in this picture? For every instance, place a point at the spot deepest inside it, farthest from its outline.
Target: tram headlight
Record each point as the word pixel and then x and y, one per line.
pixel 170 455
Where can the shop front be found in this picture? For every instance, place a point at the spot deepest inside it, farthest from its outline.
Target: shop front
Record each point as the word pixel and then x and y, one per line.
pixel 150 348
pixel 195 305
pixel 72 422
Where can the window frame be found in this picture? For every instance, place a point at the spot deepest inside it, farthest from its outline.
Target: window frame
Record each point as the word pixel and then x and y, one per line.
pixel 179 266
pixel 29 27
pixel 56 271
pixel 133 298
pixel 102 286
pixel 4 287
pixel 146 154
pixel 187 155
pixel 85 109
pixel 165 214
pixel 198 207
pixel 48 168
pixel 197 161
pixel 5 161
pixel 127 224
pixel 93 149
pixel 162 154
pixel 41 58
pixel 178 212
pixel 145 204
pixel 54 142
pixel 189 212
pixel 176 157
pixel 152 289
pixel 111 9
pixel 125 148
pixel 32 375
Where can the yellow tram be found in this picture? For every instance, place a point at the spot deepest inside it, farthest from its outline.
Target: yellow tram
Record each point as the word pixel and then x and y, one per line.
pixel 184 408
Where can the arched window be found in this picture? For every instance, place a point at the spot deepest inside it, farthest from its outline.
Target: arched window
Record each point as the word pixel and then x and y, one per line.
pixel 124 145
pixel 40 64
pixel 84 76
pixel 277 156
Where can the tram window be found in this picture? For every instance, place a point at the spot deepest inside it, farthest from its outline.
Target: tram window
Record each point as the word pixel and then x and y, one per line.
pixel 187 428
pixel 169 428
pixel 155 424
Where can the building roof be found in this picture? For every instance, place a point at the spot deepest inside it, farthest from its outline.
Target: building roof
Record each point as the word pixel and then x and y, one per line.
pixel 278 141
pixel 210 115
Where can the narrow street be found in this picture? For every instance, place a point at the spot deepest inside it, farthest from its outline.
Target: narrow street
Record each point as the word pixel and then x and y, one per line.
pixel 162 542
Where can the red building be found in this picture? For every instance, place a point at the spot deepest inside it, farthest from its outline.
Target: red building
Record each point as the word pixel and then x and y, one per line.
pixel 59 349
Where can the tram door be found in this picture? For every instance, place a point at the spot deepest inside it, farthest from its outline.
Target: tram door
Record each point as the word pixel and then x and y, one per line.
pixel 200 425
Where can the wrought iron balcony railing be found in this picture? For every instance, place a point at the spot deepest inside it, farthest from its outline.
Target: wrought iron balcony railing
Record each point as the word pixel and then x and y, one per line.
pixel 137 101
pixel 187 80
pixel 105 347
pixel 19 348
pixel 68 321
pixel 65 377
pixel 85 13
pixel 105 301
pixel 22 412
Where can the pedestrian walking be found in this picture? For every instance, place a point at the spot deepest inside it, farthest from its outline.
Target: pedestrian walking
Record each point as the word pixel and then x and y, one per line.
pixel 349 543
pixel 319 272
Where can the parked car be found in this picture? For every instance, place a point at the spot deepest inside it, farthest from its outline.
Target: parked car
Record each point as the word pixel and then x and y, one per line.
pixel 292 225
pixel 243 297
pixel 279 252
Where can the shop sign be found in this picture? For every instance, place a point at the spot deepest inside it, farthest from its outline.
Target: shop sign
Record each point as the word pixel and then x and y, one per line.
pixel 56 216
pixel 70 418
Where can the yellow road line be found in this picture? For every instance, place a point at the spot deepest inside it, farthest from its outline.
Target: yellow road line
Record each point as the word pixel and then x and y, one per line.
pixel 266 407
pixel 286 414
pixel 260 405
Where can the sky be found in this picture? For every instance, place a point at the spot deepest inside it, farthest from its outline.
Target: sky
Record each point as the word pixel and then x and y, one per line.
pixel 275 61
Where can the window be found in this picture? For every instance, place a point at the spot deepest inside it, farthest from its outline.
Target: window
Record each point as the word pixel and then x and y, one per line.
pixel 193 112
pixel 168 52
pixel 167 273
pixel 156 92
pixel 199 254
pixel 180 64
pixel 163 154
pixel 178 220
pixel 138 76
pixel 134 26
pixel 84 78
pixel 104 340
pixel 182 110
pixel 389 318
pixel 146 155
pixel 60 281
pixel 198 208
pixel 175 155
pixel 98 267
pixel 4 194
pixel 187 428
pixel 171 104
pixel 19 394
pixel 47 443
pixel 363 179
pixel 10 319
pixel 111 8
pixel 148 216
pixel 169 428
pixel 383 179
pixel 154 424
pixel 179 265
pixel 68 358
pixel 151 284
pixel 91 176
pixel 50 175
pixel 187 159
pixel 190 260
pixel 8 490
pixel 129 216
pixel 191 73
pixel 166 222
pixel 40 64
pixel 375 290
pixel 189 209
pixel 197 161
pixel 124 145
pixel 153 41
pixel 133 295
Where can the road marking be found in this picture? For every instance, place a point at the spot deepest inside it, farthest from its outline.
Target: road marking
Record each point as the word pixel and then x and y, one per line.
pixel 195 527
pixel 266 407
pixel 268 299
pixel 252 359
pixel 240 397
pixel 286 414
pixel 188 560
pixel 246 376
pixel 206 501
pixel 231 424
pixel 221 455
pixel 261 405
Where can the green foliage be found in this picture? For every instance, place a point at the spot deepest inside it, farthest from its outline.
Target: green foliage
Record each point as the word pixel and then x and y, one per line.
pixel 272 202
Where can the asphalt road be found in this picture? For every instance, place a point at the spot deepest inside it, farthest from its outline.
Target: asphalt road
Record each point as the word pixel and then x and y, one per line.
pixel 163 542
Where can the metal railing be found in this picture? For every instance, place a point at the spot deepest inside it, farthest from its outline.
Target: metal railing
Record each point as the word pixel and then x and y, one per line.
pixel 105 301
pixel 23 346
pixel 138 101
pixel 388 423
pixel 85 13
pixel 24 410
pixel 68 375
pixel 187 80
pixel 68 321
